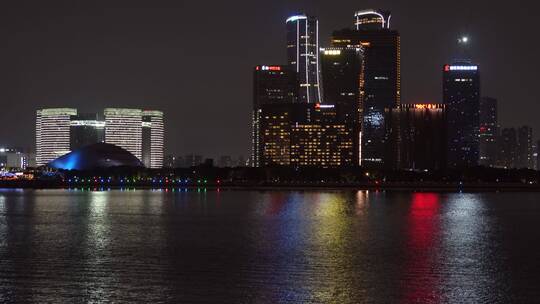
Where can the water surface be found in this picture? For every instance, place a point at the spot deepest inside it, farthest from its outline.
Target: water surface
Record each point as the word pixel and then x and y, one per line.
pixel 269 247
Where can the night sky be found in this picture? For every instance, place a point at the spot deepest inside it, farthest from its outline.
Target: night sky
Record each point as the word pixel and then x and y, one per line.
pixel 194 59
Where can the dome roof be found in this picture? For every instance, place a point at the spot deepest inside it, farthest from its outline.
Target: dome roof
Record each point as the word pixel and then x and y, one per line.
pixel 96 156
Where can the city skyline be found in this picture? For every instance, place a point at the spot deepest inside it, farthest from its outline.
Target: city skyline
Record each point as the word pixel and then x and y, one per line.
pixel 42 78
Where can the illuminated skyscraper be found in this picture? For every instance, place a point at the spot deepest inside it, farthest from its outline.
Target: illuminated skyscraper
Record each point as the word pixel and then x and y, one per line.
pixel 320 140
pixel 302 134
pixel 53 134
pixel 275 134
pixel 303 56
pixel 461 95
pixel 272 85
pixel 342 79
pixel 124 129
pixel 488 132
pixel 381 80
pixel 152 139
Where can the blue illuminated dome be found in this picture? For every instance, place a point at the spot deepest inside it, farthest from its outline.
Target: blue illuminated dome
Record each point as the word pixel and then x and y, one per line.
pixel 96 156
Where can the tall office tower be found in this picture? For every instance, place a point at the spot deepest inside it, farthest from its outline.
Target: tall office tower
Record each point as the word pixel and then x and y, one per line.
pixel 86 129
pixel 275 134
pixel 488 132
pixel 124 129
pixel 461 95
pixel 320 140
pixel 507 148
pixel 342 76
pixel 382 77
pixel 153 134
pixel 524 155
pixel 302 134
pixel 52 134
pixel 272 85
pixel 303 56
pixel 418 136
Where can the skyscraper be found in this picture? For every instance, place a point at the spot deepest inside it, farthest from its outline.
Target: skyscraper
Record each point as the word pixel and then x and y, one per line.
pixel 272 85
pixel 303 56
pixel 418 136
pixel 382 77
pixel 275 134
pixel 524 154
pixel 53 134
pixel 461 95
pixel 507 144
pixel 124 129
pixel 86 129
pixel 488 131
pixel 342 76
pixel 302 134
pixel 319 139
pixel 152 139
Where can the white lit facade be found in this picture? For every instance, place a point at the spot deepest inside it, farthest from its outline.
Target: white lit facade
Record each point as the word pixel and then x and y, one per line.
pixel 52 134
pixel 372 19
pixel 303 56
pixel 153 138
pixel 124 129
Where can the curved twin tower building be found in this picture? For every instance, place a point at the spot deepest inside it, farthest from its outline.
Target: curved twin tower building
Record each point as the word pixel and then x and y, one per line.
pixel 62 130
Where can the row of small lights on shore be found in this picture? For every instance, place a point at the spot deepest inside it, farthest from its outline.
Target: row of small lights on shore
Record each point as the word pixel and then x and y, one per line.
pixel 123 189
pixel 136 180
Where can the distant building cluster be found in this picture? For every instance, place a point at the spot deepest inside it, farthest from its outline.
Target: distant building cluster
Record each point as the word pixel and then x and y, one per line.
pixel 340 106
pixel 16 159
pixel 327 106
pixel 62 130
pixel 194 160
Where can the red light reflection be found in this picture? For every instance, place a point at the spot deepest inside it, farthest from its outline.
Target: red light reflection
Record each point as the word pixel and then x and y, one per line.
pixel 423 232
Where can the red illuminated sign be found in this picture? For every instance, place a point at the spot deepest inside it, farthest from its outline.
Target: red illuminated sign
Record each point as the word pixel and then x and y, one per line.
pixel 268 68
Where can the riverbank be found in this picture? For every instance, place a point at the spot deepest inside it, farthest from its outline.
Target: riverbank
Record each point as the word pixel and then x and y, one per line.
pixel 397 186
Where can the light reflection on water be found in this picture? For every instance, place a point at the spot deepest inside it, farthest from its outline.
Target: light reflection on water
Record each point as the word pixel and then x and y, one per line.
pixel 268 247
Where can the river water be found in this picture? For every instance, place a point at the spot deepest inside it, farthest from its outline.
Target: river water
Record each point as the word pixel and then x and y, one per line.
pixel 268 247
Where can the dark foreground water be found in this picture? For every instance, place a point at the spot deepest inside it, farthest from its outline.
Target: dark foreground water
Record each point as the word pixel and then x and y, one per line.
pixel 269 247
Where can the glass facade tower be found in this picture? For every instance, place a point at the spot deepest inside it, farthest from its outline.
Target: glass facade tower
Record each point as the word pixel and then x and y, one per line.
pixel 461 95
pixel 303 56
pixel 381 78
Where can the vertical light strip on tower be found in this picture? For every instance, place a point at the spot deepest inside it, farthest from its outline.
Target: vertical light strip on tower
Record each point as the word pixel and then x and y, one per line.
pixel 318 67
pixel 306 54
pixel 305 30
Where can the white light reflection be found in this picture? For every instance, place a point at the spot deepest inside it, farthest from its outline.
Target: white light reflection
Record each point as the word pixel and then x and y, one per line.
pixel 362 202
pixel 466 257
pixel 98 242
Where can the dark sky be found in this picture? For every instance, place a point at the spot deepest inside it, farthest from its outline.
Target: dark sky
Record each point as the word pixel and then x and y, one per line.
pixel 194 59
